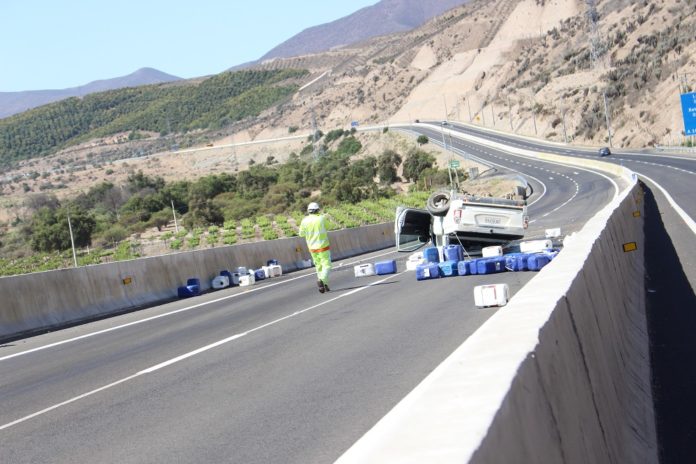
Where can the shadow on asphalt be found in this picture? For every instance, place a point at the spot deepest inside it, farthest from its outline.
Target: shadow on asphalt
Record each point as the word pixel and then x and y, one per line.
pixel 671 313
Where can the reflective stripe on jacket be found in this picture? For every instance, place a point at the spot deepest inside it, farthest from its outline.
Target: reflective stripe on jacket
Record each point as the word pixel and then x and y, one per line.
pixel 313 229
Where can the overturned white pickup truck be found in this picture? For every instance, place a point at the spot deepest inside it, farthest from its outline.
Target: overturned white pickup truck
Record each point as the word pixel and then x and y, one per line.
pixel 469 220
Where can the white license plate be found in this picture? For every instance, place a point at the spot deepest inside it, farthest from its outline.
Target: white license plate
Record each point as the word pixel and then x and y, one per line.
pixel 490 220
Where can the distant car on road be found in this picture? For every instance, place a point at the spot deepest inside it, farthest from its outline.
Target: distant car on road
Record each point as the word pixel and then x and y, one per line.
pixel 604 151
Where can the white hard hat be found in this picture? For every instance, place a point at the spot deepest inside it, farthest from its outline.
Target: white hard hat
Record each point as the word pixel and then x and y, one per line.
pixel 313 207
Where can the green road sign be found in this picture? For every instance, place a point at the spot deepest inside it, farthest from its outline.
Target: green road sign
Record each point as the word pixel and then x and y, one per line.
pixel 454 164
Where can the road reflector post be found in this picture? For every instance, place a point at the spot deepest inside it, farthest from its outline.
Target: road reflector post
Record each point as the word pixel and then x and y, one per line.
pixel 630 246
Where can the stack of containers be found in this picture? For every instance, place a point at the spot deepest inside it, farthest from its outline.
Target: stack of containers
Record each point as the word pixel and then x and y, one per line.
pixel 429 269
pixel 453 254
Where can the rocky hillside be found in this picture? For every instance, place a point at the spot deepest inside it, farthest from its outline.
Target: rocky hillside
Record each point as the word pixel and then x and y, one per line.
pixel 385 17
pixel 520 65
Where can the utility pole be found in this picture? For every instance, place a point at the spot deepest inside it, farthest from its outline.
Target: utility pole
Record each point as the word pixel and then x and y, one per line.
pixel 468 104
pixel 510 113
pixel 444 99
pixel 72 240
pixel 565 134
pixel 315 151
pixel 592 17
pixel 493 112
pixel 534 116
pixel 176 225
pixel 606 115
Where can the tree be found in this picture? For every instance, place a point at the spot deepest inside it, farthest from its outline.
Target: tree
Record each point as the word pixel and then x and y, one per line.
pixel 51 232
pixel 387 166
pixel 114 234
pixel 416 161
pixel 422 139
pixel 42 200
pixel 349 145
pixel 203 213
pixel 280 197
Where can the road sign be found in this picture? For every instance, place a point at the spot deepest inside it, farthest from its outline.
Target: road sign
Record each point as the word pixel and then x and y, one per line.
pixel 454 164
pixel 688 102
pixel 354 124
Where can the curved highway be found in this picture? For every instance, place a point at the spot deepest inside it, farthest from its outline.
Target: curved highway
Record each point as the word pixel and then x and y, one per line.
pixel 564 196
pixel 275 373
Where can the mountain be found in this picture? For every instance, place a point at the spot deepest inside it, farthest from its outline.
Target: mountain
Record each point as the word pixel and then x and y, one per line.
pixel 16 102
pixel 385 17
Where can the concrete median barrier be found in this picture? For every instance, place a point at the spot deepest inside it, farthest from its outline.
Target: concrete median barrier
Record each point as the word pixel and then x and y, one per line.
pixel 46 300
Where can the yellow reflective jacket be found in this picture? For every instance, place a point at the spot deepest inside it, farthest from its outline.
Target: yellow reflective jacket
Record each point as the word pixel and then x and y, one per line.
pixel 313 229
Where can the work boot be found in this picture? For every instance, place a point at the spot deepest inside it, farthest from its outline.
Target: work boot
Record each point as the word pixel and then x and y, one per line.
pixel 322 288
pixel 326 287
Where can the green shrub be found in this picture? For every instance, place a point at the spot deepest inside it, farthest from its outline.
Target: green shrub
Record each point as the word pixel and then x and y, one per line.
pixel 229 238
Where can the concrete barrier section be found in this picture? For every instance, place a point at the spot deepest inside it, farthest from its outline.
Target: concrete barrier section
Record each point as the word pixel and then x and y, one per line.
pixel 45 300
pixel 561 374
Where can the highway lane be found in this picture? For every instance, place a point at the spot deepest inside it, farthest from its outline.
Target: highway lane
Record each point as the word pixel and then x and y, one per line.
pixel 311 374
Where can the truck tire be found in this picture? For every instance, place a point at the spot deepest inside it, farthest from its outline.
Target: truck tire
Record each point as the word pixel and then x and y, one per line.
pixel 438 203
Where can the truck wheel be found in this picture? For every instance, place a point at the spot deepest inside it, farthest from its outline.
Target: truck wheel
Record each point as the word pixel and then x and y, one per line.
pixel 438 203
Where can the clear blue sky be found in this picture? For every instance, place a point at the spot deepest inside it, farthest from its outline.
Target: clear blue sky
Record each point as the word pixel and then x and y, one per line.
pixel 56 44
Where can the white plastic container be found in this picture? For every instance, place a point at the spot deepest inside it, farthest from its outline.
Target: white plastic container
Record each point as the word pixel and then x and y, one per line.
pixel 220 282
pixel 412 265
pixel 267 271
pixel 491 251
pixel 414 260
pixel 247 280
pixel 553 233
pixel 276 270
pixel 535 246
pixel 364 270
pixel 491 295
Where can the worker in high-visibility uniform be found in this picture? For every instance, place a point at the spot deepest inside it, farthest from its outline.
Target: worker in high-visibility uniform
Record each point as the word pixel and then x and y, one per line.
pixel 313 229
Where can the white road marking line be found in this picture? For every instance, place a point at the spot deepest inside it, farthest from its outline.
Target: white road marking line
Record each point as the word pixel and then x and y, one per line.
pixel 203 349
pixel 176 311
pixel 71 400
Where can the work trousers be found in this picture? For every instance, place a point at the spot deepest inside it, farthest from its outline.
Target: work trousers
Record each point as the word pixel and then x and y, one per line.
pixel 322 263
